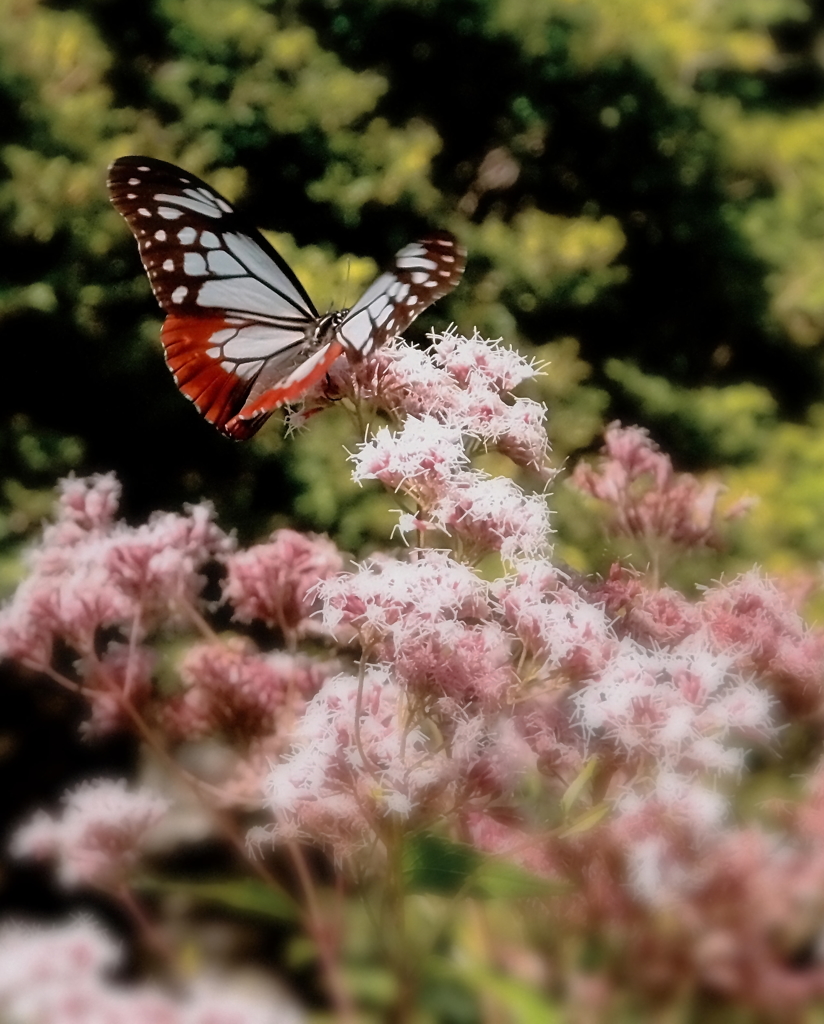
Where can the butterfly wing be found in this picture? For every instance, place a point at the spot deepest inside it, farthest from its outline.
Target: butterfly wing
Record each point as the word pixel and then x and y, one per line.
pixel 421 273
pixel 239 323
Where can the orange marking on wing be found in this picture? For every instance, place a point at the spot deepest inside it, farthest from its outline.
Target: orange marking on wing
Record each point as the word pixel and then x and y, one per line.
pixel 254 414
pixel 216 393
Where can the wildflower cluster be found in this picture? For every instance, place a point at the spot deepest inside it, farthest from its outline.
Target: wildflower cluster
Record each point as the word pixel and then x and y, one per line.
pixel 61 974
pixel 584 729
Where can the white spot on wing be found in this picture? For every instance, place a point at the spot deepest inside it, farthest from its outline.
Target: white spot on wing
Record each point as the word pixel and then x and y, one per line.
pixel 160 235
pixel 144 212
pixel 209 240
pixel 257 342
pixel 419 263
pixel 197 205
pixel 221 262
pixel 186 235
pixel 169 265
pixel 258 263
pixel 134 181
pixel 167 213
pixel 247 294
pixel 194 264
pixel 219 337
pixel 180 293
pixel 357 331
pixel 419 276
pixel 246 370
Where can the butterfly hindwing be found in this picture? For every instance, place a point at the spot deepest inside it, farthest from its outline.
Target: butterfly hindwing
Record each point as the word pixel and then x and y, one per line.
pixel 290 388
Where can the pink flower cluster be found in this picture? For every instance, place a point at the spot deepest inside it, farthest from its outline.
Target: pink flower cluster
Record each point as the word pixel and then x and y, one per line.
pixel 275 582
pixel 463 383
pixel 60 976
pixel 749 620
pixel 98 839
pixel 646 498
pixel 485 683
pixel 232 690
pixel 735 912
pixel 361 761
pixel 449 401
pixel 589 730
pixel 91 573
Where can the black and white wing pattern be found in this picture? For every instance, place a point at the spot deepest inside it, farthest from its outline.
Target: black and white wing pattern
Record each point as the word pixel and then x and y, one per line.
pixel 241 335
pixel 421 273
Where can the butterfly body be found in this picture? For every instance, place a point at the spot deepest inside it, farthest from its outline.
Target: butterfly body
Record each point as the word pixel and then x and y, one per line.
pixel 241 335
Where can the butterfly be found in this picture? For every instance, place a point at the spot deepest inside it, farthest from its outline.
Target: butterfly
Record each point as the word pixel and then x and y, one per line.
pixel 241 335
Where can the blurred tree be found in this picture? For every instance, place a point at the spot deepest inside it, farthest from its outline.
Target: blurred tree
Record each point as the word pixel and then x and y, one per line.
pixel 641 186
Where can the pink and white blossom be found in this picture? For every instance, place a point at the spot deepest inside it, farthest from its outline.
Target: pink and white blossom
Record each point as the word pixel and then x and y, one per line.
pixel 61 975
pixel 646 498
pixel 230 689
pixel 420 459
pixel 98 838
pixel 590 731
pixel 276 582
pixel 373 601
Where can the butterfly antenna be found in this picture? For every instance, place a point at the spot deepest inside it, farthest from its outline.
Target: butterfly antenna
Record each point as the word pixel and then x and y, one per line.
pixel 347 280
pixel 336 305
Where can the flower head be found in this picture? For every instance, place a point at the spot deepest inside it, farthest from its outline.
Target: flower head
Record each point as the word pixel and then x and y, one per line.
pixel 98 838
pixel 645 497
pixel 276 582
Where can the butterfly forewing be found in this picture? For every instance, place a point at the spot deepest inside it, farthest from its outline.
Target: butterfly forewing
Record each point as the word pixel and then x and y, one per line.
pixel 241 335
pixel 421 273
pixel 198 253
pixel 235 308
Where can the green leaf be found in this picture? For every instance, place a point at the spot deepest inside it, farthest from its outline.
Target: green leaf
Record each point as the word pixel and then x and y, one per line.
pixel 436 865
pixel 523 1005
pixel 587 821
pixel 576 787
pixel 497 878
pixel 248 896
pixel 433 864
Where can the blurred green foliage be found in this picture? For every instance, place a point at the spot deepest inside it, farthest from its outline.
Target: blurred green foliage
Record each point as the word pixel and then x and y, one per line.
pixel 640 185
